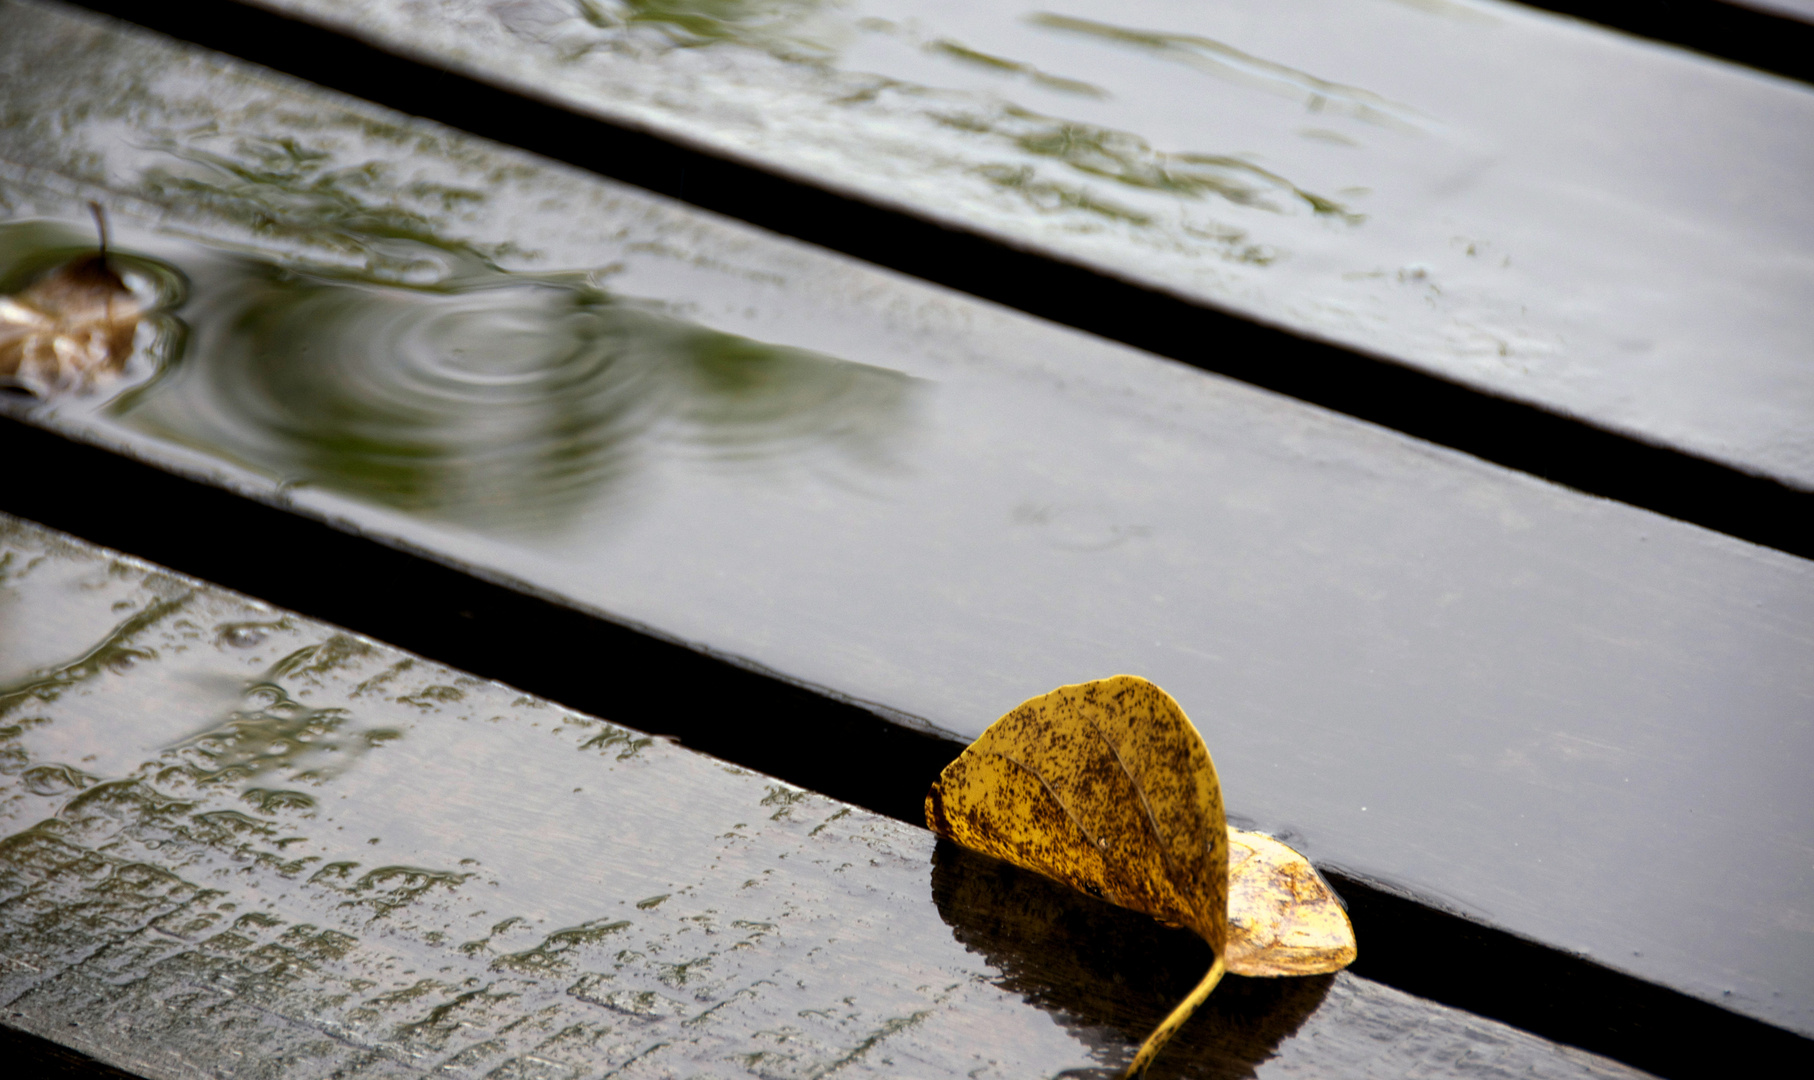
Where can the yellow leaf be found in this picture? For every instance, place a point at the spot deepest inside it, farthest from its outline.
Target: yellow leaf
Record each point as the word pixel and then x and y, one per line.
pixel 1282 917
pixel 1107 787
pixel 70 329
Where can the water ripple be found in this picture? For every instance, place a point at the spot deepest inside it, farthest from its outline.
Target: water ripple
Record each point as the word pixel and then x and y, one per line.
pixel 492 398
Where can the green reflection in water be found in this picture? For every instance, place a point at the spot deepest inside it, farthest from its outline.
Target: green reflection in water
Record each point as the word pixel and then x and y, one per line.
pixel 1129 160
pixel 1095 152
pixel 273 732
pixel 1215 57
pixel 286 189
pixel 494 399
pixel 787 28
pixel 117 652
pixel 1001 65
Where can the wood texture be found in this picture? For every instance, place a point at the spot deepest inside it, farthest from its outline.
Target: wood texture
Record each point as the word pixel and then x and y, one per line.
pixel 237 841
pixel 1388 176
pixel 1432 672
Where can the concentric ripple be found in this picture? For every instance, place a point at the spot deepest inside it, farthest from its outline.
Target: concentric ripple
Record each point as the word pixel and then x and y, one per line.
pixel 491 398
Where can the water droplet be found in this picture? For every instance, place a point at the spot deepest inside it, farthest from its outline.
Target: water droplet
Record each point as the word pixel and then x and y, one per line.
pixel 243 637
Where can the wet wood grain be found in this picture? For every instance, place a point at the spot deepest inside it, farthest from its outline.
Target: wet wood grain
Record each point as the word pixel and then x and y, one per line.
pixel 237 841
pixel 1431 671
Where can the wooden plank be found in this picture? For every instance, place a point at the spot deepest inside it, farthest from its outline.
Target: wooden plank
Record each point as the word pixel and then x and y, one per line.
pixel 234 840
pixel 1522 436
pixel 1481 661
pixel 1382 175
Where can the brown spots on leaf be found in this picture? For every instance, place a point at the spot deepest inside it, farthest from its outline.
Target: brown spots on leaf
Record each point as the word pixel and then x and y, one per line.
pixel 1107 787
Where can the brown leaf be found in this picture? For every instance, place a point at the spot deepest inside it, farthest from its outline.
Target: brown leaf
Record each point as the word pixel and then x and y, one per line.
pixel 71 329
pixel 1283 919
pixel 1107 786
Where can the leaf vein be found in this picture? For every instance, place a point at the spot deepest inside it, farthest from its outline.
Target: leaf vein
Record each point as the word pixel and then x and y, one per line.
pixel 1037 775
pixel 1152 823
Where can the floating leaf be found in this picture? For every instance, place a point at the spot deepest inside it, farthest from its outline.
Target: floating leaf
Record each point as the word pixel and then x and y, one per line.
pixel 1107 787
pixel 70 329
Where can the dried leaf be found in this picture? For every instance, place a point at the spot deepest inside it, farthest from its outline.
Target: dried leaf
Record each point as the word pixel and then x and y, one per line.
pixel 1104 786
pixel 1107 787
pixel 1283 919
pixel 71 329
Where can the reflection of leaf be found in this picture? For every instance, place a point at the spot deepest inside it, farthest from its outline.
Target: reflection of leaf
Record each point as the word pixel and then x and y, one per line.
pixel 1107 786
pixel 1104 972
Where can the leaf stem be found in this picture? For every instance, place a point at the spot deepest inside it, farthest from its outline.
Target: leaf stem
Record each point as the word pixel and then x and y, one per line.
pixel 1169 1026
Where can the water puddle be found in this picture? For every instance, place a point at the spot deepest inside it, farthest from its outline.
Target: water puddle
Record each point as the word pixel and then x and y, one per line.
pixel 455 389
pixel 1500 199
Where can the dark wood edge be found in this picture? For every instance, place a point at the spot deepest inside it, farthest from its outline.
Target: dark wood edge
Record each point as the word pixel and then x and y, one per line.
pixel 37 1058
pixel 1777 43
pixel 762 722
pixel 1515 434
pixel 1416 946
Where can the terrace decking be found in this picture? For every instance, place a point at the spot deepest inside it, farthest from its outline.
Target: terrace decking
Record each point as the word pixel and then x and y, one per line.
pixel 240 842
pixel 855 517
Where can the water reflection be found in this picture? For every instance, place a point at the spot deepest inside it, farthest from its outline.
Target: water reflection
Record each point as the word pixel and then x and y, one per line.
pixel 306 195
pixel 812 32
pixel 1108 974
pixel 777 25
pixel 273 732
pixel 493 399
pixel 1226 61
pixel 1001 65
pixel 1127 159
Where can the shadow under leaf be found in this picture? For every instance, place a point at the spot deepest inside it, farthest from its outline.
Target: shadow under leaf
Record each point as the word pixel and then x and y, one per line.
pixel 1109 975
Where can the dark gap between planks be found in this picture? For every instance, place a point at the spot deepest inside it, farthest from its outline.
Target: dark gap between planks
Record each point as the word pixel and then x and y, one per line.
pixel 760 721
pixel 1780 44
pixel 28 1055
pixel 1520 436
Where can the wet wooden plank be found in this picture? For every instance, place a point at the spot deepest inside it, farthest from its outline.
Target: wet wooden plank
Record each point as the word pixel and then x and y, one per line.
pixel 1388 176
pixel 234 840
pixel 1431 672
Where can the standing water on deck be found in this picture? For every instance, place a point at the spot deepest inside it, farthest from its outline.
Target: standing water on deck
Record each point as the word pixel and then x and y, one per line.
pixel 1546 210
pixel 445 386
